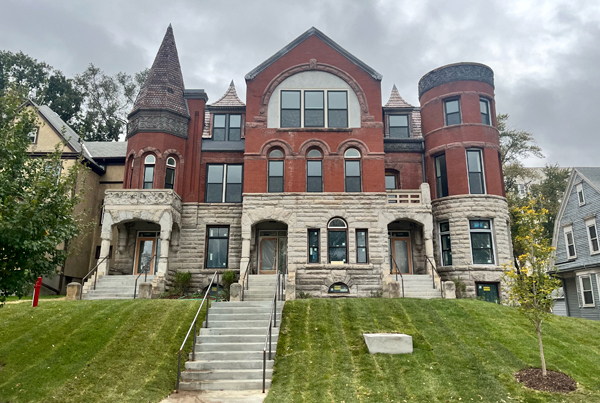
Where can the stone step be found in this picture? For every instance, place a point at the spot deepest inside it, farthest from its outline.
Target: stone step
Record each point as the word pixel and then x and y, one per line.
pixel 234 331
pixel 235 338
pixel 90 297
pixel 212 316
pixel 242 310
pixel 229 347
pixel 225 385
pixel 244 304
pixel 237 323
pixel 226 374
pixel 233 355
pixel 109 293
pixel 231 364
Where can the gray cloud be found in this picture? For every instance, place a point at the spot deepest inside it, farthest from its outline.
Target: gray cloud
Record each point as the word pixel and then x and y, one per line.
pixel 544 54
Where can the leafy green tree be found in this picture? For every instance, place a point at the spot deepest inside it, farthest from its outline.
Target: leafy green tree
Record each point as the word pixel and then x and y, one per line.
pixel 550 192
pixel 37 203
pixel 107 101
pixel 530 288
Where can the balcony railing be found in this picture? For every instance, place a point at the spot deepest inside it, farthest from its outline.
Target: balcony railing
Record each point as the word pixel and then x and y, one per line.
pixel 404 196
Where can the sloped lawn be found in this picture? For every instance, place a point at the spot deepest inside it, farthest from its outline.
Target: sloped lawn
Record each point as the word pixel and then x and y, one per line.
pixel 464 350
pixel 91 351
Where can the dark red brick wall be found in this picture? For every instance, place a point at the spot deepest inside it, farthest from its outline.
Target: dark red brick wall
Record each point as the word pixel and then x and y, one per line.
pixel 408 167
pixel 217 158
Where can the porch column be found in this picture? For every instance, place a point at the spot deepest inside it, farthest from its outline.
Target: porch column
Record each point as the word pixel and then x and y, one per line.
pixel 245 255
pixel 163 259
pixel 428 238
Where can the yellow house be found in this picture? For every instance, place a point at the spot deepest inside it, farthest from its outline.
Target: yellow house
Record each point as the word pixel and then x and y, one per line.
pixel 106 162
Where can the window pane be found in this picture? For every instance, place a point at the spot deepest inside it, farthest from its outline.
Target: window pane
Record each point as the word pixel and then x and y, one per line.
pixel 314 184
pixel 390 181
pixel 361 255
pixel 592 230
pixel 482 256
pixel 485 119
pixel 169 178
pixel 476 182
pixel 313 246
pixel 235 134
pixel 276 154
pixel 352 153
pixel 587 284
pixel 571 250
pixel 290 99
pixel 337 254
pixel 313 99
pixel 276 184
pixel 148 176
pixel 481 240
pixel 595 245
pixel 313 237
pixel 218 134
pixel 447 256
pixel 290 118
pixel 479 224
pixel 361 238
pixel 453 119
pixel 215 174
pixel 313 168
pixel 314 154
pixel 233 193
pixel 214 193
pixel 445 242
pixel 234 174
pixel 444 227
pixel 588 298
pixel 474 161
pixel 235 121
pixel 398 120
pixel 353 184
pixel 217 253
pixel 275 168
pixel 483 106
pixel 570 238
pixel 337 238
pixel 337 223
pixel 219 121
pixel 352 168
pixel 314 118
pixel 399 132
pixel 337 100
pixel 338 118
pixel 223 232
pixel 452 106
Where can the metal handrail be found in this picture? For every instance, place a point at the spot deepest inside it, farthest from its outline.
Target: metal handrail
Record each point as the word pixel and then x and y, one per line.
pixel 246 279
pixel 397 272
pixel 95 269
pixel 272 324
pixel 145 273
pixel 433 277
pixel 193 326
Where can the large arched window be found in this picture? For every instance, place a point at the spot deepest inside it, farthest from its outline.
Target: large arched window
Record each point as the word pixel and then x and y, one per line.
pixel 314 171
pixel 275 171
pixel 170 173
pixel 352 170
pixel 149 163
pixel 337 241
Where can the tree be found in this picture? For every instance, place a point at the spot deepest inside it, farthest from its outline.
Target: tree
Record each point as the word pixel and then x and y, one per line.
pixel 549 192
pixel 37 203
pixel 107 101
pixel 531 288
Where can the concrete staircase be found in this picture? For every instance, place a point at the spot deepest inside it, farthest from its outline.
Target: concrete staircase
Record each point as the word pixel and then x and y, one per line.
pixel 113 287
pixel 229 353
pixel 418 286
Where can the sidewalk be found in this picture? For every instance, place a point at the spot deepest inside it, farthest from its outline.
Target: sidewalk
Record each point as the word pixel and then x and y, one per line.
pixel 228 396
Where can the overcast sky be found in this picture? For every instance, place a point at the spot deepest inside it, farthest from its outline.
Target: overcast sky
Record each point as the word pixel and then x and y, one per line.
pixel 545 54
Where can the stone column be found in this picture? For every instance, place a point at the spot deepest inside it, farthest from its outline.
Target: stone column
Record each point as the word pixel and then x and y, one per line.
pixel 245 256
pixel 163 259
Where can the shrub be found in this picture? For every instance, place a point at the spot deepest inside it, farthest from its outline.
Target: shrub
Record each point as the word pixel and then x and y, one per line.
pixel 304 295
pixel 461 288
pixel 181 282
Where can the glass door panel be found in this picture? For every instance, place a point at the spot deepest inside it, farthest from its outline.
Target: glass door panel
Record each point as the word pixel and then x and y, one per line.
pixel 267 254
pixel 402 255
pixel 145 251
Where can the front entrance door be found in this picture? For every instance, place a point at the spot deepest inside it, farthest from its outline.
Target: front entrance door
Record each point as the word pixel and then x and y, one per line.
pixel 146 253
pixel 272 252
pixel 488 292
pixel 401 253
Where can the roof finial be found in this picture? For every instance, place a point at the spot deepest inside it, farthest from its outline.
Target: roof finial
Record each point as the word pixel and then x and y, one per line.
pixel 396 101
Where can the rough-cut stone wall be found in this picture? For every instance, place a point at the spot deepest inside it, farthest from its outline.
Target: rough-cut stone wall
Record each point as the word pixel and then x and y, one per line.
pixel 190 253
pixel 458 210
pixel 124 253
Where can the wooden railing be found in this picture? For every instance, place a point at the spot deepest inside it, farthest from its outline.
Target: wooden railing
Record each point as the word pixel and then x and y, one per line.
pixel 404 196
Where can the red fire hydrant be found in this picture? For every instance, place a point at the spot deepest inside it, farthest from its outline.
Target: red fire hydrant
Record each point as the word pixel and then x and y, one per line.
pixel 36 292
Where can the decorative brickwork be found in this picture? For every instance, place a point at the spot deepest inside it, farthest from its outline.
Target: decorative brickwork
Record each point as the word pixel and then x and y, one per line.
pixel 456 72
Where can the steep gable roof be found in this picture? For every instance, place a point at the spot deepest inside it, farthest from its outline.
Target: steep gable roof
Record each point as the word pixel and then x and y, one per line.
pixel 313 31
pixel 229 99
pixel 591 175
pixel 396 101
pixel 61 128
pixel 164 86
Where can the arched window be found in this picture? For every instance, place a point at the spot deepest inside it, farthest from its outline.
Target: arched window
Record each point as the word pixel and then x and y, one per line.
pixel 339 288
pixel 337 241
pixel 275 171
pixel 314 171
pixel 170 173
pixel 131 174
pixel 149 163
pixel 352 170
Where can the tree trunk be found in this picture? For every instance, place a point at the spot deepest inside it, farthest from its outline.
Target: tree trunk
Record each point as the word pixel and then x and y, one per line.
pixel 539 333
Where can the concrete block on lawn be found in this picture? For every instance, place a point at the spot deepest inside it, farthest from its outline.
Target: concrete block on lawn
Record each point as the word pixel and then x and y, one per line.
pixel 391 288
pixel 73 291
pixel 389 343
pixel 235 292
pixel 449 290
pixel 145 291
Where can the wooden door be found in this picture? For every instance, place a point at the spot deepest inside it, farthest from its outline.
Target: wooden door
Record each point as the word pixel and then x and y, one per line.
pixel 268 256
pixel 402 255
pixel 145 255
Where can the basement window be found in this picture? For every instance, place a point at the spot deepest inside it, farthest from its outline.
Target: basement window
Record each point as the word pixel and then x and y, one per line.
pixel 339 288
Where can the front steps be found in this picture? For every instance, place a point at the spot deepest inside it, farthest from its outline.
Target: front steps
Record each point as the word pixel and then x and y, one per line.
pixel 229 353
pixel 418 286
pixel 113 287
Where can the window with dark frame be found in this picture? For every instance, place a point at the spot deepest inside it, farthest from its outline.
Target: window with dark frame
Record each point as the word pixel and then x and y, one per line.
pixel 445 243
pixel 306 108
pixel 275 172
pixel 313 246
pixel 481 241
pixel 217 247
pixel 398 126
pixel 224 183
pixel 592 236
pixel 362 254
pixel 452 111
pixel 314 109
pixel 391 182
pixel 170 173
pixel 337 109
pixel 314 171
pixel 352 170
pixel 570 243
pixel 337 241
pixel 227 127
pixel 441 176
pixel 587 295
pixel 475 172
pixel 339 288
pixel 484 107
pixel 149 163
pixel 290 109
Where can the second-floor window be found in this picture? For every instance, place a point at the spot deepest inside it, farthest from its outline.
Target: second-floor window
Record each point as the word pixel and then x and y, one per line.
pixel 475 170
pixel 170 173
pixel 484 107
pixel 149 163
pixel 227 127
pixel 452 112
pixel 314 108
pixel 592 235
pixel 570 242
pixel 314 171
pixel 275 171
pixel 352 168
pixel 441 177
pixel 224 183
pixel 398 126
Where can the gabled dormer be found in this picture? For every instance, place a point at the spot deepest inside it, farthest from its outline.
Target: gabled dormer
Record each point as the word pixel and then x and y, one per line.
pixel 224 122
pixel 402 125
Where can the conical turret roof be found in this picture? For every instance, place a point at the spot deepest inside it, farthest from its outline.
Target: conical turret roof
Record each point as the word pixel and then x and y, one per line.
pixel 396 101
pixel 164 86
pixel 230 98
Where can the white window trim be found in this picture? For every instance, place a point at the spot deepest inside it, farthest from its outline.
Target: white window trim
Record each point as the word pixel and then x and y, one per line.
pixel 489 110
pixel 491 231
pixel 34 137
pixel 581 291
pixel 591 222
pixel 440 233
pixel 325 107
pixel 480 151
pixel 445 101
pixel 566 230
pixel 579 188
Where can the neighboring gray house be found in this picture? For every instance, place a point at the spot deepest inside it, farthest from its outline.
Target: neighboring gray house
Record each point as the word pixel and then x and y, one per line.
pixel 577 257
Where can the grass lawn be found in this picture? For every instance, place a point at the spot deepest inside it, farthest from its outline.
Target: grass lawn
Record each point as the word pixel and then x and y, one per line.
pixel 29 297
pixel 464 350
pixel 91 351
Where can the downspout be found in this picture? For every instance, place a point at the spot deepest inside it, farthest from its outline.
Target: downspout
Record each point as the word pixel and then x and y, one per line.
pixel 423 163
